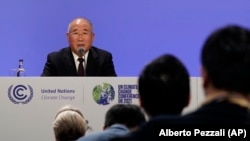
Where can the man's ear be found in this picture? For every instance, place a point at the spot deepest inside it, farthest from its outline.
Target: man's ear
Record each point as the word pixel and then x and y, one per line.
pixel 67 36
pixel 204 77
pixel 141 102
pixel 104 127
pixel 188 100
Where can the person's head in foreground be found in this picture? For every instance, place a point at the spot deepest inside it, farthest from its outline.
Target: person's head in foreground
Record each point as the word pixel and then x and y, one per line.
pixel 129 115
pixel 225 59
pixel 69 124
pixel 164 86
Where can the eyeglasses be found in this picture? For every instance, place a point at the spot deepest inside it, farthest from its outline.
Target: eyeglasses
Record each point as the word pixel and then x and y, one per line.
pixel 77 34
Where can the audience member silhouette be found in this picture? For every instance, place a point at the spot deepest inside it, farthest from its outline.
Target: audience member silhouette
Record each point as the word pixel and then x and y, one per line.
pixel 164 89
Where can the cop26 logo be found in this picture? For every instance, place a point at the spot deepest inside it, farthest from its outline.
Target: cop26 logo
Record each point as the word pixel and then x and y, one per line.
pixel 20 94
pixel 103 94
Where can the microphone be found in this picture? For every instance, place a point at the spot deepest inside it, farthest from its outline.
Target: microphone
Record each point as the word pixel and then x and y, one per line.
pixel 81 51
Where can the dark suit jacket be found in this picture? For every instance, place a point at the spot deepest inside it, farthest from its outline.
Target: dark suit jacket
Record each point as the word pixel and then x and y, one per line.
pixel 212 116
pixel 61 63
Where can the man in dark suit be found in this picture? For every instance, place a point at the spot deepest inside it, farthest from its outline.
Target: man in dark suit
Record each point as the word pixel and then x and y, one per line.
pixel 225 59
pixel 96 62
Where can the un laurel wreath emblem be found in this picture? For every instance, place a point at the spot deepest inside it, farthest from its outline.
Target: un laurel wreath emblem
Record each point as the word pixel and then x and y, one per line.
pixel 20 94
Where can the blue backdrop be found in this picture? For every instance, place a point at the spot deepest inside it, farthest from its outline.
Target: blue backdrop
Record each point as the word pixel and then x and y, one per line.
pixel 135 31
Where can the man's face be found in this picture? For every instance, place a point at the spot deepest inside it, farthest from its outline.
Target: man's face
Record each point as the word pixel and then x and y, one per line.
pixel 80 34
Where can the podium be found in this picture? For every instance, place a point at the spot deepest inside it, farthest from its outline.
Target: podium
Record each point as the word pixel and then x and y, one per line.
pixel 28 104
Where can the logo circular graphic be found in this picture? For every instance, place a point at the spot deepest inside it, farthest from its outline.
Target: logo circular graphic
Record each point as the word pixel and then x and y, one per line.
pixel 20 94
pixel 103 94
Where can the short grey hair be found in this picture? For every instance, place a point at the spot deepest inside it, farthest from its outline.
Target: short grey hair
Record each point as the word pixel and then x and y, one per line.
pixel 90 23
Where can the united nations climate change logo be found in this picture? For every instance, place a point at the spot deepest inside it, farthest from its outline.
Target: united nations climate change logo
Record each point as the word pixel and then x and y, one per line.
pixel 103 94
pixel 20 94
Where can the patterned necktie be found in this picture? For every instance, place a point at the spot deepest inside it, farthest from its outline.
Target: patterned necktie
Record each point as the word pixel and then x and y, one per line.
pixel 80 71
